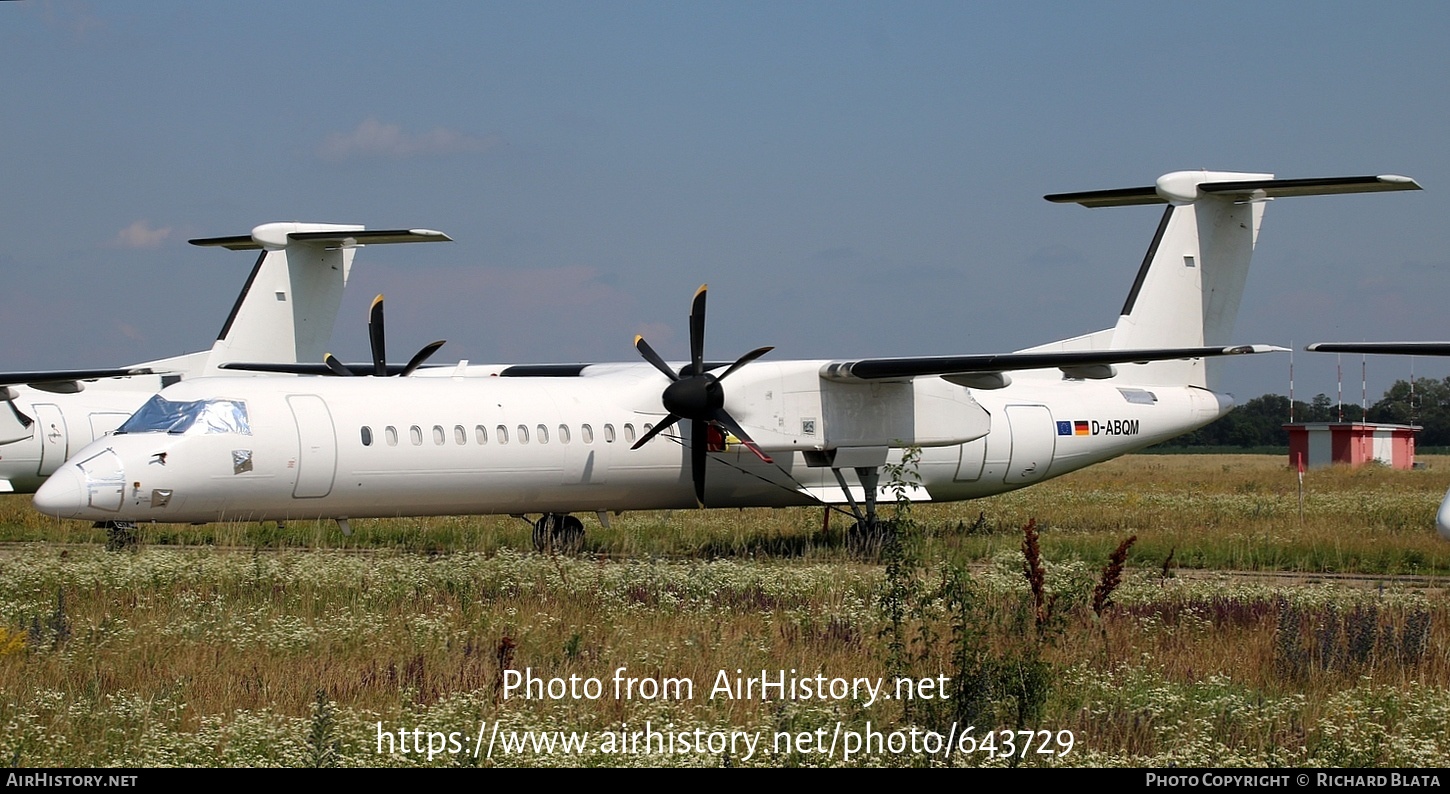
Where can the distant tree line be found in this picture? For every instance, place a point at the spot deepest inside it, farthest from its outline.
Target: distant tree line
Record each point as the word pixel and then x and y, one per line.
pixel 1260 421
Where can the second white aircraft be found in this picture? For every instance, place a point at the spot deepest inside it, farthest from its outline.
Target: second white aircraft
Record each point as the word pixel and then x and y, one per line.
pixel 284 313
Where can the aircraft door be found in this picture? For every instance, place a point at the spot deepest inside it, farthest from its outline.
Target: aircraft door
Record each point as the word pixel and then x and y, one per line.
pixel 974 456
pixel 1034 438
pixel 15 425
pixel 53 441
pixel 316 446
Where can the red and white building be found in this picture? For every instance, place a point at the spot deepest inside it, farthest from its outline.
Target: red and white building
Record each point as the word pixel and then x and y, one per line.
pixel 1318 444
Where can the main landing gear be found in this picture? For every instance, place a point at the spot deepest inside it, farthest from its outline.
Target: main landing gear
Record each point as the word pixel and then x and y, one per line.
pixel 558 533
pixel 869 535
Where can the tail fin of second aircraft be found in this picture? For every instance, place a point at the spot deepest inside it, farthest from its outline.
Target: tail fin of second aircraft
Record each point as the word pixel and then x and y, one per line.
pixel 1188 288
pixel 286 310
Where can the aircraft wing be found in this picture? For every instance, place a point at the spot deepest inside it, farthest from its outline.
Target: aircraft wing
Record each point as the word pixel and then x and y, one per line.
pixel 1075 363
pixel 302 368
pixel 59 379
pixel 1386 348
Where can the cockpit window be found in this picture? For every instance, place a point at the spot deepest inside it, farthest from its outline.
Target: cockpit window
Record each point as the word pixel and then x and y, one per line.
pixel 198 417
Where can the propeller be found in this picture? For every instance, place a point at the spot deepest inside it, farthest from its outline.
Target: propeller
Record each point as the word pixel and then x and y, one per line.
pixel 697 395
pixel 379 349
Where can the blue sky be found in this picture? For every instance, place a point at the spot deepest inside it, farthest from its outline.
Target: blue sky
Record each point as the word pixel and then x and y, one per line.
pixel 850 178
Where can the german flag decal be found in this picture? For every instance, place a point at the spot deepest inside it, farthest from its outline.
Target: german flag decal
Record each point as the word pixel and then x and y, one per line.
pixel 1077 428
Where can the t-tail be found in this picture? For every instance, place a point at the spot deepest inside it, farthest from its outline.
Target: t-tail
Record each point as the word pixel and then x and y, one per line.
pixel 286 311
pixel 1188 289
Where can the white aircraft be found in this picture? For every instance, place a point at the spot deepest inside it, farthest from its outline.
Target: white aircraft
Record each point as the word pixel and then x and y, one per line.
pixel 285 312
pixel 554 440
pixel 1442 516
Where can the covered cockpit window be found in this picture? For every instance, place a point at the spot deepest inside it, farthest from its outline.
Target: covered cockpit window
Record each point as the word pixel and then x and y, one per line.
pixel 197 417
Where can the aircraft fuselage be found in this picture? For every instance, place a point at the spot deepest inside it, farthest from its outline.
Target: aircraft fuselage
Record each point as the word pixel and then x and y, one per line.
pixel 318 447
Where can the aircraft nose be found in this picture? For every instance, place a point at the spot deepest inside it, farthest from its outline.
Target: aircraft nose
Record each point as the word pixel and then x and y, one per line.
pixel 63 494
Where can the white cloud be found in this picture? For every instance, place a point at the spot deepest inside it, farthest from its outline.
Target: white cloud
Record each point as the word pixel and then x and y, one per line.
pixel 373 138
pixel 141 235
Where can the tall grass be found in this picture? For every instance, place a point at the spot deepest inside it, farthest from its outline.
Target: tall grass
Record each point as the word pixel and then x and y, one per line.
pixel 235 644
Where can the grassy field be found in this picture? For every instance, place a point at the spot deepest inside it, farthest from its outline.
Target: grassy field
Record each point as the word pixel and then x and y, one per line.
pixel 297 646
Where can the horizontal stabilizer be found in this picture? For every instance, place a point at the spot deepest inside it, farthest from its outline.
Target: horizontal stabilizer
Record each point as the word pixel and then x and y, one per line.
pixel 1184 187
pixel 902 368
pixel 1386 348
pixel 268 235
pixel 40 378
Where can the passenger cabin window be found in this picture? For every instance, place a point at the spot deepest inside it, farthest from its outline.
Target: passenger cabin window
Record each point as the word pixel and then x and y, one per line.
pixel 392 434
pixel 648 427
pixel 629 434
pixel 438 435
pixel 367 436
pixel 502 434
pixel 481 433
pixel 563 434
pixel 460 436
pixel 587 433
pixel 609 434
pixel 523 434
pixel 193 418
pixel 416 434
pixel 543 434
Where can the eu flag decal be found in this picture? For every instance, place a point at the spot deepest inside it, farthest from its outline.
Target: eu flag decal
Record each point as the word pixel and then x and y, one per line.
pixel 1064 428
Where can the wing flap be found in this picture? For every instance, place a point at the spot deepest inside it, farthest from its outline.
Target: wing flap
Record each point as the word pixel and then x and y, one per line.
pixel 833 495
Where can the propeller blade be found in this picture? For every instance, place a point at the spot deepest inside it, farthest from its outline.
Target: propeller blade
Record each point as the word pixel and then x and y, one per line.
pixel 668 422
pixel 419 357
pixel 375 337
pixel 698 396
pixel 697 332
pixel 337 367
pixel 699 439
pixel 745 359
pixel 736 430
pixel 654 358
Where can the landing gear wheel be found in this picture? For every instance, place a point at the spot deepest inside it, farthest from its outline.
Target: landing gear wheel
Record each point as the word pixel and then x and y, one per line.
pixel 120 535
pixel 558 532
pixel 544 532
pixel 569 536
pixel 867 539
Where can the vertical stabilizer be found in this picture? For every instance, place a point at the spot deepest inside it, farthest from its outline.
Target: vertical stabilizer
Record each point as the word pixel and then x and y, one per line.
pixel 286 311
pixel 1188 289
